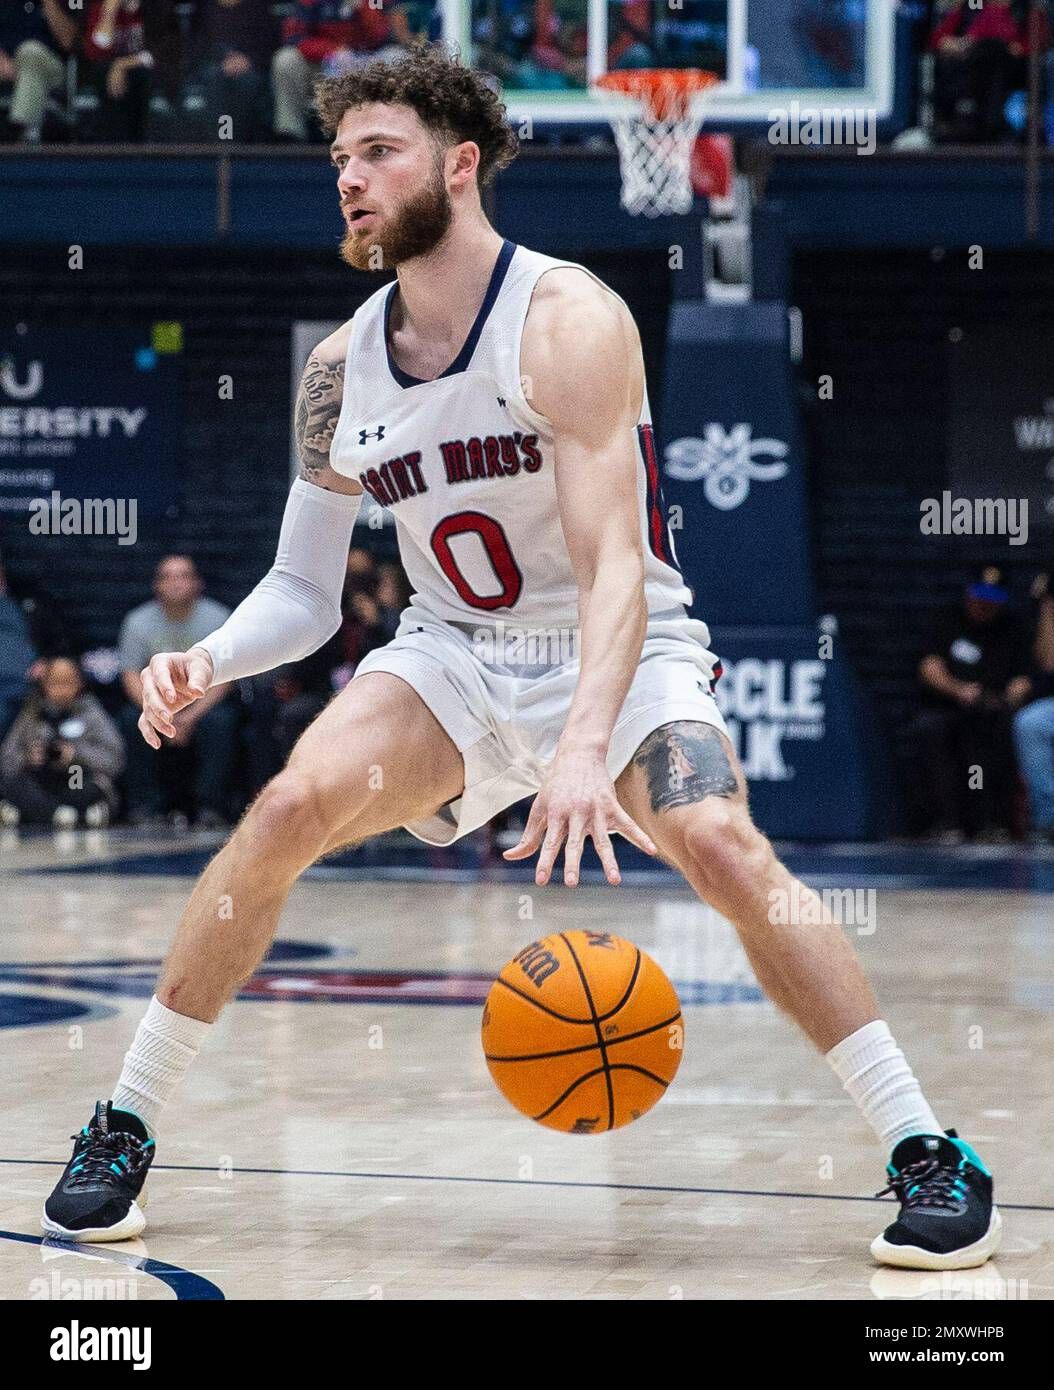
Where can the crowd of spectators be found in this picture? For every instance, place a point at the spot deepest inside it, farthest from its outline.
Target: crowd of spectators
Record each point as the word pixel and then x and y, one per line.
pixel 980 68
pixel 70 748
pixel 129 70
pixel 243 70
pixel 71 752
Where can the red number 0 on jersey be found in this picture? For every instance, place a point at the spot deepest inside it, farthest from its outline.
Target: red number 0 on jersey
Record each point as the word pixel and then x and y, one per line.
pixel 495 543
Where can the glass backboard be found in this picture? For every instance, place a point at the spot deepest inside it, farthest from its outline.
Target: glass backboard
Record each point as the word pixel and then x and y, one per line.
pixel 826 54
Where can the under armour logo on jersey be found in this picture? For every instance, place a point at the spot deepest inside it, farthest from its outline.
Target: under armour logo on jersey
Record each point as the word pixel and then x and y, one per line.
pixel 378 433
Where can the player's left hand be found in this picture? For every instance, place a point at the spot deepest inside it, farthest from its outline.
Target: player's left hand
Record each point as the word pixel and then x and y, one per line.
pixel 577 798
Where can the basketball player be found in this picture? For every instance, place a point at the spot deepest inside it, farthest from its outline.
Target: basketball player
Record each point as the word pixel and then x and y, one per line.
pixel 494 399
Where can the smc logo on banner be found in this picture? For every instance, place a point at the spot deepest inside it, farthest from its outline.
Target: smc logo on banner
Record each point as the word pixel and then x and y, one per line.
pixel 727 463
pixel 733 464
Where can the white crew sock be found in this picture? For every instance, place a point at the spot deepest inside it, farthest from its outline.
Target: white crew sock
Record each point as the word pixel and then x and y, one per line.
pixel 164 1046
pixel 871 1067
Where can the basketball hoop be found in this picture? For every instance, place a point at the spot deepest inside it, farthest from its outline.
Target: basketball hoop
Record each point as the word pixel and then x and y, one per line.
pixel 655 135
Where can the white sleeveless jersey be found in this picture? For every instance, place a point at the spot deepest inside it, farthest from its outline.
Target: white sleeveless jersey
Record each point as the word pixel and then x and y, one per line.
pixel 466 467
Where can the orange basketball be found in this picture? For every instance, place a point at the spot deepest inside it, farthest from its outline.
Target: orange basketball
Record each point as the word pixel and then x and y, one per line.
pixel 582 1032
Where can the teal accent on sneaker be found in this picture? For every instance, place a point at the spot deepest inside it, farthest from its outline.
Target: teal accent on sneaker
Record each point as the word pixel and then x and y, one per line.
pixel 971 1155
pixel 947 1216
pixel 97 1193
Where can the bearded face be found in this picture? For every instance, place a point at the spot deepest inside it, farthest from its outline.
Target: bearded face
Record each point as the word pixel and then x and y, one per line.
pixel 410 228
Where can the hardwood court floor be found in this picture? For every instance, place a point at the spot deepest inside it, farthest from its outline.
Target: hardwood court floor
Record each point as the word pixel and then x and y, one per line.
pixel 339 1136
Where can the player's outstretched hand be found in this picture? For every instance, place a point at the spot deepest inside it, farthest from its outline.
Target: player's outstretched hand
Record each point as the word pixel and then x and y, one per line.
pixel 172 681
pixel 577 798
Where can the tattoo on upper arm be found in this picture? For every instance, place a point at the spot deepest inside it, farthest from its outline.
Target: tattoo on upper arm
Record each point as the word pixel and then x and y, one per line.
pixel 684 762
pixel 317 411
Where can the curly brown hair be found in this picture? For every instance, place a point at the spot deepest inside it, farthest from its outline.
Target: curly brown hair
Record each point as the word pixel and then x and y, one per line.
pixel 452 101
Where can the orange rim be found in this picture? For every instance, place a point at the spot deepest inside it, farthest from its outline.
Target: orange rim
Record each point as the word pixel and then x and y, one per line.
pixel 664 91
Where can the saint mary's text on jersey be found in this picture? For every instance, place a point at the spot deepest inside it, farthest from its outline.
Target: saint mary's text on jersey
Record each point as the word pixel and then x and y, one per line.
pixel 492 456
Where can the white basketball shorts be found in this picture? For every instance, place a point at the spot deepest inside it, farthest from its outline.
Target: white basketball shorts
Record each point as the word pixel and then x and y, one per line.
pixel 506 714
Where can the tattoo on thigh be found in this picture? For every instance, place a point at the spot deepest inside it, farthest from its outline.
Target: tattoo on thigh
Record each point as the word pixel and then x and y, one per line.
pixel 685 762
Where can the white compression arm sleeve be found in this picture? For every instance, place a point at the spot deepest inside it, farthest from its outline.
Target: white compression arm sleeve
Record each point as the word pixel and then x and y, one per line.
pixel 296 606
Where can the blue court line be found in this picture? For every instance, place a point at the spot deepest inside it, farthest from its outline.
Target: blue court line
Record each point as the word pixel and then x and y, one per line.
pixel 280 953
pixel 514 1182
pixel 184 1283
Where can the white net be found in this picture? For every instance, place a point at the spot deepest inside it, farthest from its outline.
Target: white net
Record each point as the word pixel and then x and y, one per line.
pixel 655 136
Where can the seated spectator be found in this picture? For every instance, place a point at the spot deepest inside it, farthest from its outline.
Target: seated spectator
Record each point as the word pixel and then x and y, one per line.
pixel 17 655
pixel 974 676
pixel 284 702
pixel 35 38
pixel 323 38
pixel 391 598
pixel 61 755
pixel 50 632
pixel 120 66
pixel 362 569
pixel 980 59
pixel 363 626
pixel 232 44
pixel 1034 725
pixel 177 618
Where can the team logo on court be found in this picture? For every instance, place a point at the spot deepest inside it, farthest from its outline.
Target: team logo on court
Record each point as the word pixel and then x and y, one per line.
pixel 305 972
pixel 728 462
pixel 378 433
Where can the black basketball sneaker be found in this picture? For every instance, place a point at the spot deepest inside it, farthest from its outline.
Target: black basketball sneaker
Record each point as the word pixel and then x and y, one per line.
pixel 947 1218
pixel 100 1195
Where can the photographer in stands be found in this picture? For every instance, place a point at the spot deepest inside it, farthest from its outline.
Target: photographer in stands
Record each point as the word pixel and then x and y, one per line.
pixel 61 755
